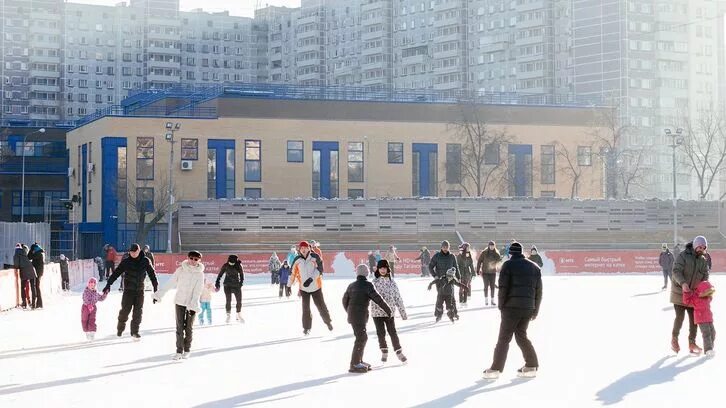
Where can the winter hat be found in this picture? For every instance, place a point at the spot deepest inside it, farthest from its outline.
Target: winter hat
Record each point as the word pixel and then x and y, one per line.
pixel 664 246
pixel 445 244
pixel 92 279
pixel 18 246
pixel 383 264
pixel 451 273
pixel 515 248
pixel 361 270
pixel 232 258
pixel 303 244
pixel 62 257
pixel 534 248
pixel 134 248
pixel 195 254
pixel 492 243
pixel 465 245
pixel 700 241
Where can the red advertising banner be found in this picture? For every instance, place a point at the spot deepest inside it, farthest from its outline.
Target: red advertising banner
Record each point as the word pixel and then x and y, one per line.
pixel 618 261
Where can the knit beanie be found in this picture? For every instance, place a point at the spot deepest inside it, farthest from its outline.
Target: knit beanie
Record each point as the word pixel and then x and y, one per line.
pixel 445 244
pixel 361 270
pixel 515 248
pixel 700 241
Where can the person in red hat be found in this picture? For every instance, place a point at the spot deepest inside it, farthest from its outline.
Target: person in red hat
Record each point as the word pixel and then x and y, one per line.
pixel 307 268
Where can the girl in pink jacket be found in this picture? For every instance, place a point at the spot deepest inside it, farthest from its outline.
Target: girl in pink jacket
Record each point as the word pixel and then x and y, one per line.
pixel 88 310
pixel 700 299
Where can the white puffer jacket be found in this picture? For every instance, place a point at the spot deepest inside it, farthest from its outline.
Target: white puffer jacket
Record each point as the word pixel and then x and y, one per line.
pixel 388 290
pixel 189 282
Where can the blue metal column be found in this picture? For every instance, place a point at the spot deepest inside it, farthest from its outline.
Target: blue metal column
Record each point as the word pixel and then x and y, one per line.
pixel 325 148
pixel 423 150
pixel 109 180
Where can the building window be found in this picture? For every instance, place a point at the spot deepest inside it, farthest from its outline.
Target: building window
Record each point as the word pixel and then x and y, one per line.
pixel 355 162
pixel 212 173
pixel 295 152
pixel 145 199
pixel 354 193
pixel 395 153
pixel 453 163
pixel 584 155
pixel 190 149
pixel 253 160
pixel 453 193
pixel 491 154
pixel 90 197
pixel 253 193
pixel 548 194
pixel 145 158
pixel 229 179
pixel 121 186
pixel 548 164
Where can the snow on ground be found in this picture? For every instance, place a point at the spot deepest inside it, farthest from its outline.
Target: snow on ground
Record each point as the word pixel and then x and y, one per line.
pixel 602 341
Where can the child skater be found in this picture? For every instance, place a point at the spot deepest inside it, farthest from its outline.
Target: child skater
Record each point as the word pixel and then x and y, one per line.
pixel 700 300
pixel 88 310
pixel 445 288
pixel 388 290
pixel 355 301
pixel 205 301
pixel 284 276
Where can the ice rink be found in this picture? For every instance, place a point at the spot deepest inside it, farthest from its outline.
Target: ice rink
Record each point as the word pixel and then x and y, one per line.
pixel 601 340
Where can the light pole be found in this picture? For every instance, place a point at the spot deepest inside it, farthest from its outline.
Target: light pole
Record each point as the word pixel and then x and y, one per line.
pixel 170 129
pixel 22 187
pixel 677 141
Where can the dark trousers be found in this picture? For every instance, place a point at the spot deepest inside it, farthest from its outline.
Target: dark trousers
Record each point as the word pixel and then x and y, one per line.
pixel 666 277
pixel 709 335
pixel 65 281
pixel 489 283
pixel 228 292
pixel 38 294
pixel 361 338
pixel 131 299
pixel 27 292
pixel 307 316
pixel 465 289
pixel 514 322
pixel 450 302
pixel 184 324
pixel 424 270
pixel 284 288
pixel 109 268
pixel 384 324
pixel 275 277
pixel 678 323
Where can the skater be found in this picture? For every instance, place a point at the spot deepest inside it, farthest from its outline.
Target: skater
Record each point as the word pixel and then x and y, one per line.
pixel 425 257
pixel 37 257
pixel 134 268
pixel 689 270
pixel 534 257
pixel 188 279
pixel 22 263
pixel 315 248
pixel 88 310
pixel 274 267
pixel 520 296
pixel 308 270
pixel 466 269
pixel 700 300
pixel 284 278
pixel 372 262
pixel 445 288
pixel 291 255
pixel 205 302
pixel 442 261
pixel 110 255
pixel 486 266
pixel 355 301
pixel 392 258
pixel 234 279
pixel 388 290
pixel 150 255
pixel 65 280
pixel 666 261
pixel 99 267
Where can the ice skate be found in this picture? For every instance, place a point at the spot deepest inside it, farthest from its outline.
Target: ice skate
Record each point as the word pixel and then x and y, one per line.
pixel 527 372
pixel 384 355
pixel 88 336
pixel 401 356
pixel 91 336
pixel 229 318
pixel 330 325
pixel 239 317
pixel 438 319
pixel 490 374
pixel 694 349
pixel 452 319
pixel 136 337
pixel 186 355
pixel 493 304
pixel 201 322
pixel 359 368
pixel 710 354
pixel 486 301
pixel 306 332
pixel 370 367
pixel 674 345
pixel 119 333
pixel 177 357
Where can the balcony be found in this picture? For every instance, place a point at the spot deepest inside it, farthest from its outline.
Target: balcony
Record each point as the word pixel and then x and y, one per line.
pixel 375 20
pixel 373 51
pixel 414 59
pixel 365 36
pixel 165 50
pixel 495 46
pixel 531 6
pixel 44 88
pixel 309 77
pixel 308 62
pixel 448 86
pixel 447 38
pixel 530 40
pixel 164 64
pixel 164 36
pixel 343 71
pixel 451 21
pixel 308 34
pixel 308 20
pixel 449 5
pixel 163 78
pixel 307 48
pixel 374 65
pixel 374 6
pixel 44 59
pixel 44 74
pixel 446 54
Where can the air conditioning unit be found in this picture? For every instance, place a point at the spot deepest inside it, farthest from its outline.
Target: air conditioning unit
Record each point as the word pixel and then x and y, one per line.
pixel 91 168
pixel 71 172
pixel 186 165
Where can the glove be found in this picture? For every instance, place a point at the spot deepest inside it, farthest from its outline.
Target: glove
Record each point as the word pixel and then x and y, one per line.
pixel 429 288
pixel 155 301
pixel 308 282
pixel 533 317
pixel 106 290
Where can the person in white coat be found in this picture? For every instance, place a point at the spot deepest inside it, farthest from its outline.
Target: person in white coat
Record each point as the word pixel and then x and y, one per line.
pixel 188 279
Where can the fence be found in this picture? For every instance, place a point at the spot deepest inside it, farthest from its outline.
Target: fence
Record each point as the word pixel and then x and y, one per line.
pixel 26 233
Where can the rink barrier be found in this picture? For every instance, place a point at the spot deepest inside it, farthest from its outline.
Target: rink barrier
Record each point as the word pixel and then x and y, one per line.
pixel 50 285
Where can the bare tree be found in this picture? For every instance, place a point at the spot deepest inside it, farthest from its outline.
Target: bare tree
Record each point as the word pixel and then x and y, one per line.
pixel 631 170
pixel 705 147
pixel 481 157
pixel 609 133
pixel 148 205
pixel 569 166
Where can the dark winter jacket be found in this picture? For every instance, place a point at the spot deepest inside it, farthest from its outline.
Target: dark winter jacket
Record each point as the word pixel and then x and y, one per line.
pixel 150 255
pixel 22 262
pixel 234 276
pixel 37 257
pixel 284 275
pixel 466 265
pixel 536 259
pixel 357 299
pixel 134 271
pixel 444 286
pixel 488 261
pixel 708 260
pixel 372 263
pixel 666 260
pixel 440 263
pixel 424 257
pixel 520 284
pixel 690 269
pixel 63 267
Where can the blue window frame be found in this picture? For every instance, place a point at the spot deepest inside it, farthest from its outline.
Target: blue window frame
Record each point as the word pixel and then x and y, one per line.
pixel 295 151
pixel 253 160
pixel 35 202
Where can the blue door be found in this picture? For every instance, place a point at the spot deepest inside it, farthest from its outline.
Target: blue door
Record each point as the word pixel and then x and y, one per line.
pixel 425 168
pixel 519 170
pixel 326 177
pixel 220 168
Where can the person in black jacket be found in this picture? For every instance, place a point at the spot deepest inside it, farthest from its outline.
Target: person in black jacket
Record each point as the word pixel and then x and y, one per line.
pixel 234 278
pixel 356 301
pixel 520 295
pixel 22 263
pixel 135 268
pixel 65 280
pixel 37 257
pixel 442 261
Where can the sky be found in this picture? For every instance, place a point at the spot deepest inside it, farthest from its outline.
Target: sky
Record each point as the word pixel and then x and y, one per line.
pixel 244 8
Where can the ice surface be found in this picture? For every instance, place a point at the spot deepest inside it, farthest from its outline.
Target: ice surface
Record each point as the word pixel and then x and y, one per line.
pixel 602 341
